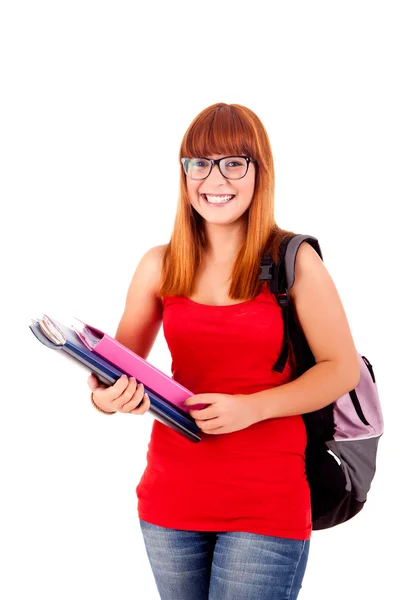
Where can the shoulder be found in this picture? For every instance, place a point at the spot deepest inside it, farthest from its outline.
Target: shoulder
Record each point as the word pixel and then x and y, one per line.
pixel 150 265
pixel 321 313
pixel 147 275
pixel 311 277
pixel 155 254
pixel 308 264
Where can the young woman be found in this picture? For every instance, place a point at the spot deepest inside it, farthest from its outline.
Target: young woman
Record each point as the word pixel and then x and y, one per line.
pixel 229 517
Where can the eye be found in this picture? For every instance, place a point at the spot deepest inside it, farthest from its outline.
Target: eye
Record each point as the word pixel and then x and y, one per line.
pixel 235 162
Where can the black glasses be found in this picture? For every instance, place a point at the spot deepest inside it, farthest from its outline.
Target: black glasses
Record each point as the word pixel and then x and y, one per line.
pixel 231 167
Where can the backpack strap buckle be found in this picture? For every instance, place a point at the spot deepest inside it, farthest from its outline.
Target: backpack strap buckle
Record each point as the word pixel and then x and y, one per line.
pixel 266 268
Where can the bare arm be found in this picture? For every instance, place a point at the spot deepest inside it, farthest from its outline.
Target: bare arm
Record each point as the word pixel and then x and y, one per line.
pixel 137 330
pixel 142 316
pixel 325 326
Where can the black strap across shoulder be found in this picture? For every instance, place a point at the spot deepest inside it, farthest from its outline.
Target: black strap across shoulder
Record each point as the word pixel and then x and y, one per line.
pixel 281 276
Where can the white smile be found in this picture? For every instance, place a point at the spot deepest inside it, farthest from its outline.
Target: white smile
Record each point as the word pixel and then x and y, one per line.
pixel 217 199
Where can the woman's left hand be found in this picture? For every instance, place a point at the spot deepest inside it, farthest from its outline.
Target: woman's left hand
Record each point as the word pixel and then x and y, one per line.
pixel 224 414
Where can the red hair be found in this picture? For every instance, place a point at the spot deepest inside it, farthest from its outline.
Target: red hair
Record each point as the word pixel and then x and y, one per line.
pixel 229 129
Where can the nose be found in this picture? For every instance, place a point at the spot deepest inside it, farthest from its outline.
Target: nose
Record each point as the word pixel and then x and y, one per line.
pixel 216 176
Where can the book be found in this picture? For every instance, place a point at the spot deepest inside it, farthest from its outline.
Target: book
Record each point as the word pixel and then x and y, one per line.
pixel 131 363
pixel 63 338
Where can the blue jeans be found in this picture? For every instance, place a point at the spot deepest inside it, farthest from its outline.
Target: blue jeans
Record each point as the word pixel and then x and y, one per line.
pixel 203 565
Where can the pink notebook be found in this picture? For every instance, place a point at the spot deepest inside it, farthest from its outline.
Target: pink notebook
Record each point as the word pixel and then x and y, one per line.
pixel 133 365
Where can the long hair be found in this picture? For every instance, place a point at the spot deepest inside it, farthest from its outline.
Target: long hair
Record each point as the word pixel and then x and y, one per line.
pixel 229 129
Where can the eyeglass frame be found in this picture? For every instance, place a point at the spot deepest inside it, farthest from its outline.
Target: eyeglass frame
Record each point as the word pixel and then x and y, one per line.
pixel 216 162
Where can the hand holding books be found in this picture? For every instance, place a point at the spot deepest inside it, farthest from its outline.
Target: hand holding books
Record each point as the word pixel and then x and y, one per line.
pixel 125 395
pixel 114 365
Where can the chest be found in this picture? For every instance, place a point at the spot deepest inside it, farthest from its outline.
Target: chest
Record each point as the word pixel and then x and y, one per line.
pixel 223 347
pixel 211 286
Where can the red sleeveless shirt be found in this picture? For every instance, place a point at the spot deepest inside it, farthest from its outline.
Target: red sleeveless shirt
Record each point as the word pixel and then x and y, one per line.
pixel 252 480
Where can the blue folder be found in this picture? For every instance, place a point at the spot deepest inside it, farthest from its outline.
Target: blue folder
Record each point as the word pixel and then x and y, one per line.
pixel 162 410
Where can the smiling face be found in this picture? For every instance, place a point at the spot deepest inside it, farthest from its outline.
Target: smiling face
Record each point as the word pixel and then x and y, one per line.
pixel 219 200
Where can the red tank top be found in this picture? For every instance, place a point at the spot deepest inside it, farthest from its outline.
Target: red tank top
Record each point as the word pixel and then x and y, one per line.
pixel 252 480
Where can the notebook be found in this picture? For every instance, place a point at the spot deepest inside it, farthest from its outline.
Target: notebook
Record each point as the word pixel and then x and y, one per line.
pixel 134 365
pixel 58 336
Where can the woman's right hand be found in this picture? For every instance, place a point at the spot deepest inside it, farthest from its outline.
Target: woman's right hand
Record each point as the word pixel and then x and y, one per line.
pixel 123 396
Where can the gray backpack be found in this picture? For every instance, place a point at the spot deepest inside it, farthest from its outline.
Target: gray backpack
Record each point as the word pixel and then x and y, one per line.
pixel 342 438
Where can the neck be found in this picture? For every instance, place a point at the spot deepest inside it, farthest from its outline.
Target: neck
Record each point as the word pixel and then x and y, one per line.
pixel 224 242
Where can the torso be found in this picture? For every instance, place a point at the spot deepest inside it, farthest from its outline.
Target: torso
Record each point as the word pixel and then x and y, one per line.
pixel 249 480
pixel 212 285
pixel 212 282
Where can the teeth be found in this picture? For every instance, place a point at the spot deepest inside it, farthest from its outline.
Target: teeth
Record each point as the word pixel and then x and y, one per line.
pixel 218 199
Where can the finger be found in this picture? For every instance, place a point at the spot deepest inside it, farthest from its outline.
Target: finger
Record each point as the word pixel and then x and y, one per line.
pixel 206 413
pixel 201 399
pixel 140 408
pixel 134 401
pixel 112 392
pixel 92 379
pixel 93 382
pixel 120 386
pixel 144 407
pixel 217 431
pixel 127 394
pixel 210 425
pixel 121 394
pixel 96 388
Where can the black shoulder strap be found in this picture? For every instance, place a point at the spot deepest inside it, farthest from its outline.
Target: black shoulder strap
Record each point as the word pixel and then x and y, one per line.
pixel 281 276
pixel 291 253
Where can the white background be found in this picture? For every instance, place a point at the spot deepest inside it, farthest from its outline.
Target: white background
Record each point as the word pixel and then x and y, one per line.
pixel 95 99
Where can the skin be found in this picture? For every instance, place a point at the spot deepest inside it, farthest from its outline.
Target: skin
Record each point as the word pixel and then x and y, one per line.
pixel 337 371
pixel 225 231
pixel 225 226
pixel 314 296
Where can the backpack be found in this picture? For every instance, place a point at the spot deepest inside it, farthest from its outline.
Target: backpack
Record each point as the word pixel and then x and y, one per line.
pixel 342 438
